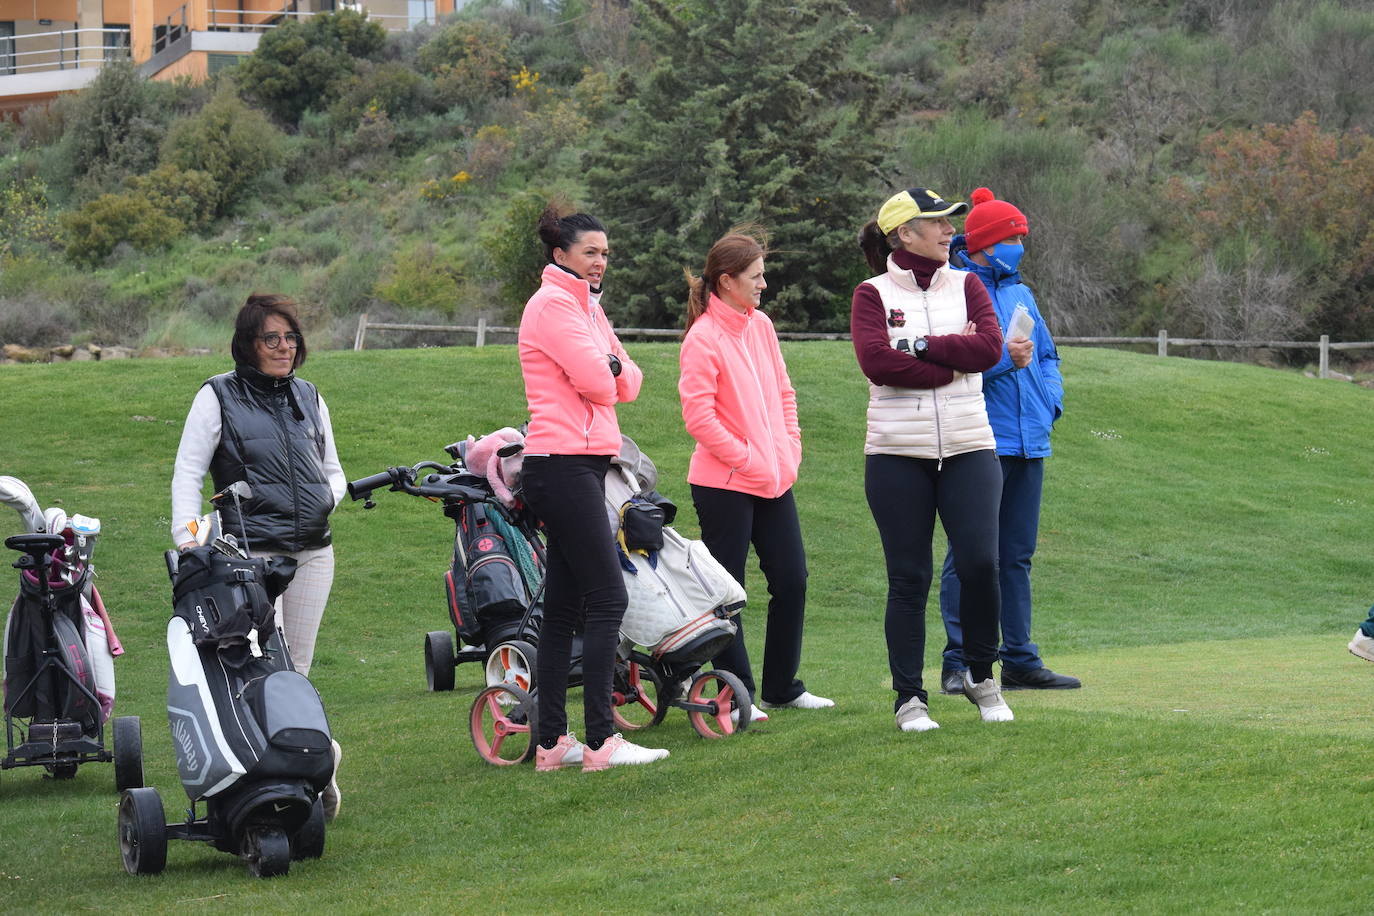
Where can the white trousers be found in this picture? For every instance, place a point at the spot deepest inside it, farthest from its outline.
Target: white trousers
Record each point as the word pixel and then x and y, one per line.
pixel 301 607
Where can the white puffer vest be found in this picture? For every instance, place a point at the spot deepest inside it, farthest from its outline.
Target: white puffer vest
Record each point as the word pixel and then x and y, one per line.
pixel 926 422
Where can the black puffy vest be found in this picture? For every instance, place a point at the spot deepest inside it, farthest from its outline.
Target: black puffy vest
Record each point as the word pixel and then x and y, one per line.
pixel 271 436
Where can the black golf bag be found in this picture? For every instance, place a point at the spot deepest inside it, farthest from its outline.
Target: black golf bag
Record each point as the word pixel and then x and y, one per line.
pixel 250 732
pixel 498 565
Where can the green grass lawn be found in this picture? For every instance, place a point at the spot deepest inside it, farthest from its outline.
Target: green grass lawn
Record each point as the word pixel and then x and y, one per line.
pixel 1204 556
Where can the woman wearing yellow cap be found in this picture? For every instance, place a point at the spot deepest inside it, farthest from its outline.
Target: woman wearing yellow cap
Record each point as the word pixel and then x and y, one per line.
pixel 923 334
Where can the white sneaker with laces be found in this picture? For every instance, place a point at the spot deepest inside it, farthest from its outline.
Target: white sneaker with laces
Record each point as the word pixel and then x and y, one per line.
pixel 1362 646
pixel 914 716
pixel 616 751
pixel 987 696
pixel 807 700
pixel 331 798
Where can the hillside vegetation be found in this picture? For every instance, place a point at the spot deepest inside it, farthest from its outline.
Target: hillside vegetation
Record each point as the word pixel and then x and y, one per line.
pixel 1203 559
pixel 1200 166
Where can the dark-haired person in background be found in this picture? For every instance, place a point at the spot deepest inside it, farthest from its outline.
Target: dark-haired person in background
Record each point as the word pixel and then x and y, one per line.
pixel 575 372
pixel 739 405
pixel 923 334
pixel 263 425
pixel 1024 393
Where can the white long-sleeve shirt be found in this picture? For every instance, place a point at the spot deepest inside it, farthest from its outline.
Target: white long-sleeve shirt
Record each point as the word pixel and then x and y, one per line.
pixel 199 440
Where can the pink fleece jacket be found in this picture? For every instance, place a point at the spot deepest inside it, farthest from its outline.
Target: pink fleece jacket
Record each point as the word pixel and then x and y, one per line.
pixel 565 340
pixel 738 403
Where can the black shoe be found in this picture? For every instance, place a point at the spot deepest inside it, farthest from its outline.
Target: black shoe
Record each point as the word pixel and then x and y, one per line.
pixel 1037 679
pixel 952 682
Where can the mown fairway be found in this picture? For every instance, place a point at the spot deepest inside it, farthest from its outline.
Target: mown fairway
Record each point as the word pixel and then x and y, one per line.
pixel 1204 557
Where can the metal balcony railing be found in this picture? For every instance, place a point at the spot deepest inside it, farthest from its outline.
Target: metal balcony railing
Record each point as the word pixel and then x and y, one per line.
pixel 62 49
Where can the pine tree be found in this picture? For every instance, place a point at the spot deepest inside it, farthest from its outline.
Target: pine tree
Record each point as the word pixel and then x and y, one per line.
pixel 753 112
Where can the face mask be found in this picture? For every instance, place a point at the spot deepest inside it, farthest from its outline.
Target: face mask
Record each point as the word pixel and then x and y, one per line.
pixel 1005 256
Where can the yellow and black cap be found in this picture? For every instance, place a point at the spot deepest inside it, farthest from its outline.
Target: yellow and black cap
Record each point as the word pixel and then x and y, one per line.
pixel 916 203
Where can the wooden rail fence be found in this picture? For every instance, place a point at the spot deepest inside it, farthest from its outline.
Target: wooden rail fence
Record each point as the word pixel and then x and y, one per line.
pixel 1162 340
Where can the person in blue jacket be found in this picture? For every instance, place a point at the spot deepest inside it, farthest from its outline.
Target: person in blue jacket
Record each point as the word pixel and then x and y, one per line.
pixel 1024 393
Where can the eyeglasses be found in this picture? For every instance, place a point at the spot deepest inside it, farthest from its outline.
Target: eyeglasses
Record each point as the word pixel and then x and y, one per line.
pixel 272 340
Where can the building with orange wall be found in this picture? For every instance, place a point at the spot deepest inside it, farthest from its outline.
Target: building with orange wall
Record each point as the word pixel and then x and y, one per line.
pixel 48 47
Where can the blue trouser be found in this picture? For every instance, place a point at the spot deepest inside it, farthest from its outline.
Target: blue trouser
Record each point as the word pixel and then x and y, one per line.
pixel 1367 628
pixel 905 495
pixel 1019 525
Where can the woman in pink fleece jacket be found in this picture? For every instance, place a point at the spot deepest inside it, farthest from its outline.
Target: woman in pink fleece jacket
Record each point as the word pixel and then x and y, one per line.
pixel 575 373
pixel 740 407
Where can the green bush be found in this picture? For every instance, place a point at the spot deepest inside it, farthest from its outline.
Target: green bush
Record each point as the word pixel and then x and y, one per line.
pixel 421 278
pixel 25 219
pixel 113 131
pixel 97 228
pixel 391 87
pixel 232 143
pixel 514 256
pixel 302 65
pixel 470 62
pixel 188 194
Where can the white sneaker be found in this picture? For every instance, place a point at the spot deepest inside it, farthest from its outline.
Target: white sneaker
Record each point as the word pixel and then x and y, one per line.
pixel 987 696
pixel 331 798
pixel 1362 646
pixel 756 715
pixel 615 751
pixel 914 716
pixel 807 700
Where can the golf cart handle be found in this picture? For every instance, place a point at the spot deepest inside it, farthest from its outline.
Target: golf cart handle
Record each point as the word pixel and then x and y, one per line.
pixel 391 477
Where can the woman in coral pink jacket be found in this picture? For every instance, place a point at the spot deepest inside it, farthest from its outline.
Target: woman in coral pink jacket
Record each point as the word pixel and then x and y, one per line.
pixel 740 407
pixel 575 373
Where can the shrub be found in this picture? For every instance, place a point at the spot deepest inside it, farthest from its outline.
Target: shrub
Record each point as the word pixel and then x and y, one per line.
pixel 189 195
pixel 35 324
pixel 469 60
pixel 421 278
pixel 232 143
pixel 25 220
pixel 490 152
pixel 389 87
pixel 514 256
pixel 98 227
pixel 302 65
pixel 113 131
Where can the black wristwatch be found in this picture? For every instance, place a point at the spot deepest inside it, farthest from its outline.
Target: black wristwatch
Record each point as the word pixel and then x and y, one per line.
pixel 615 364
pixel 919 347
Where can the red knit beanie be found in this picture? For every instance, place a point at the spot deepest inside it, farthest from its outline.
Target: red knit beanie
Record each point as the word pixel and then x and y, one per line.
pixel 991 221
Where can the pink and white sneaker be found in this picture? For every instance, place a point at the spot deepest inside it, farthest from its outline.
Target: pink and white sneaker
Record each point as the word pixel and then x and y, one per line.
pixel 566 753
pixel 616 751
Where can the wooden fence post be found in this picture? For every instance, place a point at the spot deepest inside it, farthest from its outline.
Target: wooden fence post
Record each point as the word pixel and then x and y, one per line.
pixel 1324 357
pixel 1163 343
pixel 362 332
pixel 481 331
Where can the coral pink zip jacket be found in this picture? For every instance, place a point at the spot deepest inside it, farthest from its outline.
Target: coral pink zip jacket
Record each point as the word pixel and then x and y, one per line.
pixel 565 341
pixel 738 403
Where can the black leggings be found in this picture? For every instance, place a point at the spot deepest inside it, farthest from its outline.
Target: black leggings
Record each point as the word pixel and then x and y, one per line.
pixel 583 590
pixel 904 495
pixel 730 521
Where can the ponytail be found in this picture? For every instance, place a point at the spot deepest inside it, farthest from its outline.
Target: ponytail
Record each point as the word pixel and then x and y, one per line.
pixel 876 246
pixel 697 297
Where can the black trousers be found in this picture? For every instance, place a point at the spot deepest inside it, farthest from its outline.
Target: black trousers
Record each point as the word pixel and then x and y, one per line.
pixel 583 590
pixel 730 522
pixel 905 495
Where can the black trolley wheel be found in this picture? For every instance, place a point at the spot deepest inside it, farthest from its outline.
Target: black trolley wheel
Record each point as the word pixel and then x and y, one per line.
pixel 128 752
pixel 267 851
pixel 439 660
pixel 142 832
pixel 308 841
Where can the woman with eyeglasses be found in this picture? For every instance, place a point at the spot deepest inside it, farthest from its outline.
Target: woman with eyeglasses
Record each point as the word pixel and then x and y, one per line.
pixel 263 425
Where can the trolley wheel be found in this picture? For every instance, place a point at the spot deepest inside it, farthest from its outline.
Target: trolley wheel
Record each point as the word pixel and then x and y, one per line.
pixel 512 663
pixel 637 694
pixel 128 752
pixel 725 694
pixel 439 660
pixel 142 832
pixel 308 841
pixel 62 769
pixel 267 851
pixel 502 722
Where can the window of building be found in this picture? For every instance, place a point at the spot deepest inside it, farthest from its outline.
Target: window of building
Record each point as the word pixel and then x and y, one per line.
pixel 6 48
pixel 116 41
pixel 419 11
